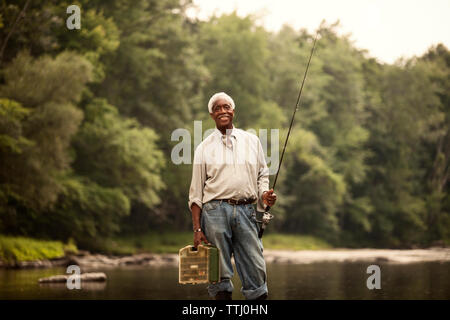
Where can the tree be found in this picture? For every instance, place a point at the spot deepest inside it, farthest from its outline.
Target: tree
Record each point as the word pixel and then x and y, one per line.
pixel 437 63
pixel 400 123
pixel 155 73
pixel 116 152
pixel 42 93
pixel 235 52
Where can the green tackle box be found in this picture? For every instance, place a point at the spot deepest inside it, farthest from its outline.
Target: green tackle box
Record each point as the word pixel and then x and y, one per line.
pixel 199 266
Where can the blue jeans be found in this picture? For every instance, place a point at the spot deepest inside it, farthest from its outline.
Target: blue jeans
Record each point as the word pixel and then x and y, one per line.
pixel 234 230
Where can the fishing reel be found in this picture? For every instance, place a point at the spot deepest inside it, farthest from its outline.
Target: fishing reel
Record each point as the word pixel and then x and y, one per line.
pixel 266 217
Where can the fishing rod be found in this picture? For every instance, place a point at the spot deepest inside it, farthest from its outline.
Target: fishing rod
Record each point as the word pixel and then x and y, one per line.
pixel 267 216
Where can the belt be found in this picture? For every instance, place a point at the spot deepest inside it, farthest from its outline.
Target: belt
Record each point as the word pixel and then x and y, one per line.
pixel 240 201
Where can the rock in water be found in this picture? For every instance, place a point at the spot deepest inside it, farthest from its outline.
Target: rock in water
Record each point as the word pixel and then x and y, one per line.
pixel 84 277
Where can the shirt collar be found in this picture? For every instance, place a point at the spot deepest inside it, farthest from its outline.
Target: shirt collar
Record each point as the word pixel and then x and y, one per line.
pixel 232 134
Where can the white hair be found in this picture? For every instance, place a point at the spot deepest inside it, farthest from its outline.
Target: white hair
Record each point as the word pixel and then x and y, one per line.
pixel 217 96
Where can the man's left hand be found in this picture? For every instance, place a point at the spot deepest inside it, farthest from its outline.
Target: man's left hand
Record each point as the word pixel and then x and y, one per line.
pixel 269 198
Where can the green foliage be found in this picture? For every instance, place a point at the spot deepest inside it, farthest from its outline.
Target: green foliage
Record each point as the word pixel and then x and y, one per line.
pixel 316 194
pixel 172 242
pixel 154 76
pixel 402 122
pixel 11 115
pixel 156 242
pixel 36 31
pixel 36 82
pixel 119 153
pixel 86 211
pixel 41 120
pixel 17 249
pixel 98 36
pixel 277 241
pixel 155 73
pixel 289 54
pixel 226 55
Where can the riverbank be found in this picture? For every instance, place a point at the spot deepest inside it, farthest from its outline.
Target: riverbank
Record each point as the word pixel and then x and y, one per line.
pixel 88 261
pixel 355 255
pixel 26 252
pixel 161 250
pixel 171 242
pixel 38 252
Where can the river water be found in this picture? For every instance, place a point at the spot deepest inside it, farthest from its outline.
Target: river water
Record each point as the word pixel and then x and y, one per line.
pixel 429 280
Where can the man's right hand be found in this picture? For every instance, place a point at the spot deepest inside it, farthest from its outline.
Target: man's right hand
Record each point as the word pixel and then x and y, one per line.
pixel 199 237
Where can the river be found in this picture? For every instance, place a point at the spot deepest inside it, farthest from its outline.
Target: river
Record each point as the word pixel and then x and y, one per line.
pixel 328 280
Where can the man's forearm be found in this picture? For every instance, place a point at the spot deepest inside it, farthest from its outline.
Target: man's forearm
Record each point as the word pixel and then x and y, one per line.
pixel 196 212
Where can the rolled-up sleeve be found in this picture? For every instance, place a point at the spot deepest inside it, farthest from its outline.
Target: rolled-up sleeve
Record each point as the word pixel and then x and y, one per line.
pixel 263 177
pixel 198 179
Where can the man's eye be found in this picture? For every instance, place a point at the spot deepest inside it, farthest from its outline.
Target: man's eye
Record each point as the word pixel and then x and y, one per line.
pixel 224 107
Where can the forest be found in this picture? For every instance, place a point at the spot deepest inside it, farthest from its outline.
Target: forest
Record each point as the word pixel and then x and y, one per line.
pixel 87 115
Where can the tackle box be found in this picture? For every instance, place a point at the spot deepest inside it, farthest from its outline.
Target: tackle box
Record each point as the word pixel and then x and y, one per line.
pixel 199 266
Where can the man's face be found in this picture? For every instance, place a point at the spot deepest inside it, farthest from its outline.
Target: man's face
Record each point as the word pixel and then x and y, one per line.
pixel 222 113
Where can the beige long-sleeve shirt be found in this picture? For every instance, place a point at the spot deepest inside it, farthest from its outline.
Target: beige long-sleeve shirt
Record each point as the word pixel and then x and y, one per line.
pixel 229 167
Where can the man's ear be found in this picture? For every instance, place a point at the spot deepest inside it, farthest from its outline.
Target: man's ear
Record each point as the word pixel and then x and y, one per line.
pixel 211 115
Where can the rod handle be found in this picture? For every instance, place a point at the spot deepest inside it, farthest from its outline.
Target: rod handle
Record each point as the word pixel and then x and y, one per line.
pixel 263 225
pixel 261 231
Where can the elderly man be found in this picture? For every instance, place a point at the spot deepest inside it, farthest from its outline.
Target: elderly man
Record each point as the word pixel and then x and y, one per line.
pixel 230 175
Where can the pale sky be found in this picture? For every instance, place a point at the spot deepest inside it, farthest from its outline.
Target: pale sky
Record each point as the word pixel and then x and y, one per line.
pixel 388 29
